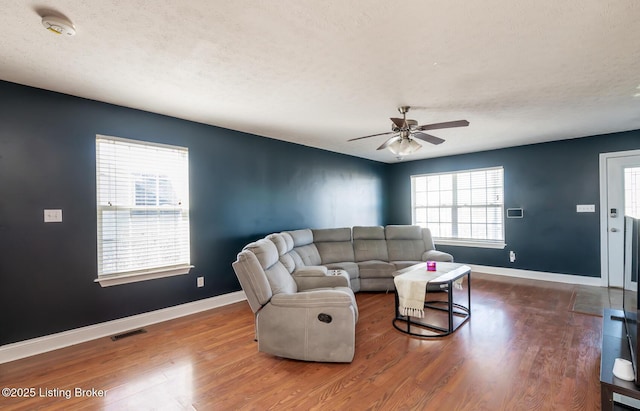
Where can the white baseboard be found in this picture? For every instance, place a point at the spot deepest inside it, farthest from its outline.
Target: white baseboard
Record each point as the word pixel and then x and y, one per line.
pixel 538 275
pixel 22 349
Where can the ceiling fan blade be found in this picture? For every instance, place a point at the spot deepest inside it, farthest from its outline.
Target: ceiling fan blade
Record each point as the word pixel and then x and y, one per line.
pixel 428 138
pixel 388 142
pixel 399 122
pixel 447 124
pixel 372 135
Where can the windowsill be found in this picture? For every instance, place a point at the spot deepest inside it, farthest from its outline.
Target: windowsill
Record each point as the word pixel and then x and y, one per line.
pixel 468 243
pixel 142 275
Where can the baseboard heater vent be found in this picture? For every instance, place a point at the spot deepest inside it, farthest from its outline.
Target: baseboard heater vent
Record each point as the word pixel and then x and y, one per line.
pixel 128 334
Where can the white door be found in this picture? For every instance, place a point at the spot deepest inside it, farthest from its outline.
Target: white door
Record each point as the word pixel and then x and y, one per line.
pixel 620 196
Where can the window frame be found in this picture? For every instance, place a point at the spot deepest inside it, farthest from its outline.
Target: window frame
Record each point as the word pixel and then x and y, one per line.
pixel 181 265
pixel 457 241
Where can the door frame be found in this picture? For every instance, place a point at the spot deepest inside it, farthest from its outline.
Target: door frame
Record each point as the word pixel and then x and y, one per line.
pixel 604 224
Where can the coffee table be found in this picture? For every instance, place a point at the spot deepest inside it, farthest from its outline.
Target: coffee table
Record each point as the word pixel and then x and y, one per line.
pixel 443 279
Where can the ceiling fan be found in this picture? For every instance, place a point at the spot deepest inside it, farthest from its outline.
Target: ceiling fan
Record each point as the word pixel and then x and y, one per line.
pixel 406 131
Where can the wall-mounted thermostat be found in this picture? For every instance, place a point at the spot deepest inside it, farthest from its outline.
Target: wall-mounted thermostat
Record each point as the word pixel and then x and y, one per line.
pixel 515 213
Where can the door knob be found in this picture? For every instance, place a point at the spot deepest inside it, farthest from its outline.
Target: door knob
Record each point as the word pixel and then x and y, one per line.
pixel 614 230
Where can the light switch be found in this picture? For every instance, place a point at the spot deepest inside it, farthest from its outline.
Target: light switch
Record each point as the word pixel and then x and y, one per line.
pixel 52 216
pixel 585 208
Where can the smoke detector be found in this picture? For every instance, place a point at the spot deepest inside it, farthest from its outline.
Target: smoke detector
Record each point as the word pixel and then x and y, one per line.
pixel 58 25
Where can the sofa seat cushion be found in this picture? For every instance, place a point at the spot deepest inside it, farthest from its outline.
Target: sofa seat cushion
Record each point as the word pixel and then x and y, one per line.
pixel 376 269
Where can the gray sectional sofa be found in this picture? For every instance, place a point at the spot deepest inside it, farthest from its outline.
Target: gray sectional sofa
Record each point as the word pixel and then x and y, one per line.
pixel 300 284
pixel 370 255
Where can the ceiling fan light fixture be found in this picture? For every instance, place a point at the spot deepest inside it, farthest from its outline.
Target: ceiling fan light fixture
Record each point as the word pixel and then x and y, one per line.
pixel 404 146
pixel 405 132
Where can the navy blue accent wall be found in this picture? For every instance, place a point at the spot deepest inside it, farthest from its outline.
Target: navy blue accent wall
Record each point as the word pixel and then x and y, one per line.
pixel 547 180
pixel 241 186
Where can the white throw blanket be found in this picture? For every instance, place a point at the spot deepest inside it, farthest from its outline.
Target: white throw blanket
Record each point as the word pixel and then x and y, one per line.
pixel 412 288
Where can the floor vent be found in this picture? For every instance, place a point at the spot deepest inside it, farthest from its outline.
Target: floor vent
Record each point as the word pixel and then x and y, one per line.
pixel 128 334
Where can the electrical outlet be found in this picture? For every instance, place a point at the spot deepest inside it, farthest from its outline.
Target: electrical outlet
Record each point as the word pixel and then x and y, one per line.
pixel 53 216
pixel 512 256
pixel 200 281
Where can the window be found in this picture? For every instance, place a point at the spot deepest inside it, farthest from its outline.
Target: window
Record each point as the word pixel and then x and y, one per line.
pixel 461 208
pixel 142 209
pixel 632 191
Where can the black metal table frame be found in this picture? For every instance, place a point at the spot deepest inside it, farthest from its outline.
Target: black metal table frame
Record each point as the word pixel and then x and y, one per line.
pixel 452 309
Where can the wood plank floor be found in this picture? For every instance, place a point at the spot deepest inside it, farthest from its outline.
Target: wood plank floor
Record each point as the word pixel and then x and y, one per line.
pixel 522 349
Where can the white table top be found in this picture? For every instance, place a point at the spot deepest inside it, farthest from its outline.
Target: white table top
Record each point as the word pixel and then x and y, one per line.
pixel 444 271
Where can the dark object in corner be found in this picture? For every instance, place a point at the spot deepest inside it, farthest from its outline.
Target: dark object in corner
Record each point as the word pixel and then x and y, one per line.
pixel 128 334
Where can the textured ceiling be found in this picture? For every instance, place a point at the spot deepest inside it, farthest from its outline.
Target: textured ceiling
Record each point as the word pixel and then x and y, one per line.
pixel 321 72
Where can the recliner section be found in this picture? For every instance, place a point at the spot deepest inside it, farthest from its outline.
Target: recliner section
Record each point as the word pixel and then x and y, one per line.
pixel 295 319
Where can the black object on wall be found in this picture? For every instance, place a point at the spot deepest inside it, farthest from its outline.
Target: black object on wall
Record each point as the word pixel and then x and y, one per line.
pixel 547 180
pixel 241 187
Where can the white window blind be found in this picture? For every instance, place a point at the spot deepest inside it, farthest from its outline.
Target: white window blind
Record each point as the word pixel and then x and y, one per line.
pixel 461 207
pixel 632 191
pixel 142 208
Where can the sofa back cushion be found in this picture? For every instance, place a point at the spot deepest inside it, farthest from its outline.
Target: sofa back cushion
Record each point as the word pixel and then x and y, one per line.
pixel 287 256
pixel 334 245
pixel 405 242
pixel 301 237
pixel 303 245
pixel 369 244
pixel 278 277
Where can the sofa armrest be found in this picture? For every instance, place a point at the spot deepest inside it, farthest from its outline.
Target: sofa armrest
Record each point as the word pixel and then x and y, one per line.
pixel 317 298
pixel 308 280
pixel 310 271
pixel 435 255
